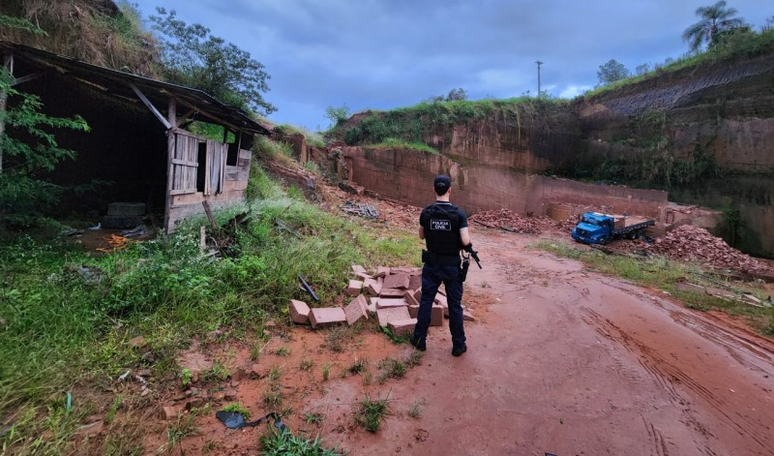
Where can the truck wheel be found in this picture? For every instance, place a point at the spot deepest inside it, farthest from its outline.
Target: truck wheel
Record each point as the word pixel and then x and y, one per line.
pixel 604 240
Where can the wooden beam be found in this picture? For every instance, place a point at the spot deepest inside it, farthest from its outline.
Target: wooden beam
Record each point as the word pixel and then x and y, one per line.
pixel 172 115
pixel 167 123
pixel 27 78
pixel 209 116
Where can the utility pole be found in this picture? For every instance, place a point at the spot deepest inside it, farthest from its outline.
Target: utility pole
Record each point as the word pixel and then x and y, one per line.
pixel 538 62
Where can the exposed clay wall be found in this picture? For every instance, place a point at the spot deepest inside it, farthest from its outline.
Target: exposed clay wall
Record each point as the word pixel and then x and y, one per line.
pixel 407 176
pixel 726 110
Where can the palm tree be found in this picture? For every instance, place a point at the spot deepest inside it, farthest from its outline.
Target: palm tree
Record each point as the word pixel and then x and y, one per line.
pixel 714 19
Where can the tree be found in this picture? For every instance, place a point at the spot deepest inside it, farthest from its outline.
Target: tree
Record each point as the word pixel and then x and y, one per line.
pixel 611 72
pixel 191 56
pixel 457 95
pixel 27 145
pixel 715 19
pixel 337 115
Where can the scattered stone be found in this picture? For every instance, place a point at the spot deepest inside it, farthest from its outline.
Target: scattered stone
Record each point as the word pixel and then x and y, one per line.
pixel 396 281
pixel 363 276
pixel 385 316
pixel 328 316
pixel 402 327
pixel 145 392
pixel 410 299
pixel 137 342
pixel 413 310
pixel 441 300
pixel 354 287
pixel 384 303
pixel 356 269
pixel 144 373
pixel 230 395
pixel 169 412
pixel 90 429
pixel 299 312
pixel 237 376
pixel 467 316
pixel 357 309
pixel 257 371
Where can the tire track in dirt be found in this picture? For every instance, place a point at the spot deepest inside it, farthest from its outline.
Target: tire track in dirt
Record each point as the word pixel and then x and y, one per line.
pixel 666 375
pixel 659 445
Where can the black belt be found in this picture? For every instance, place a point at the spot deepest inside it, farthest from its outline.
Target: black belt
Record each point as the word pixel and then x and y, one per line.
pixel 440 259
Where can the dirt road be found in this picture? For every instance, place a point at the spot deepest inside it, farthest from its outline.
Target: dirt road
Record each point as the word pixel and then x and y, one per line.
pixel 575 363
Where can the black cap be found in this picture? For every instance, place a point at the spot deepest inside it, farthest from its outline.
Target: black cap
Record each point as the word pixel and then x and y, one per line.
pixel 442 184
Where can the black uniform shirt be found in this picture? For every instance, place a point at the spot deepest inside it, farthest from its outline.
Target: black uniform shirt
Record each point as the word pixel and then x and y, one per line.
pixel 442 222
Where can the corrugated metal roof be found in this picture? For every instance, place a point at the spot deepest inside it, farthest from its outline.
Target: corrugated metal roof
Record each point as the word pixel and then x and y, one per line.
pixel 118 84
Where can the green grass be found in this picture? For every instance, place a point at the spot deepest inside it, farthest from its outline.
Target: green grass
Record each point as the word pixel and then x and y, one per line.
pixel 664 274
pixel 400 144
pixel 370 413
pixel 313 418
pixel 413 125
pixel 63 325
pixel 391 368
pixel 284 443
pixel 238 408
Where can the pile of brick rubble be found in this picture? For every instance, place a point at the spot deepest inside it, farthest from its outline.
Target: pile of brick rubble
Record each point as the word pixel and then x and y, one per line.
pixel 505 219
pixel 697 244
pixel 389 294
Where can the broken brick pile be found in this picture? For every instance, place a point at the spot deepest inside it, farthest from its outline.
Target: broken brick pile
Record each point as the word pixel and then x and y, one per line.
pixel 505 219
pixel 390 294
pixel 697 244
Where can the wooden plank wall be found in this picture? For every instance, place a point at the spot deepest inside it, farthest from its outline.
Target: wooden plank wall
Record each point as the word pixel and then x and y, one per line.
pixel 235 184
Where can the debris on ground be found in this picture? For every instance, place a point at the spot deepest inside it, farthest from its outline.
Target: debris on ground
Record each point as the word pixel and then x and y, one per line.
pixel 688 242
pixel 390 293
pixel 115 242
pixel 235 420
pixel 363 210
pixel 508 220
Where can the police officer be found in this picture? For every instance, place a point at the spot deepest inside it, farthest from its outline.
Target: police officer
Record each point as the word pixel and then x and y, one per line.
pixel 444 227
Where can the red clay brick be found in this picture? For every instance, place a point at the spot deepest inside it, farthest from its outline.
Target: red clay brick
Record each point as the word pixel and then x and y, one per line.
pixel 382 271
pixel 391 293
pixel 354 287
pixel 385 316
pixel 396 281
pixel 436 316
pixel 410 299
pixel 327 316
pixel 299 312
pixel 415 281
pixel 402 327
pixel 413 310
pixel 356 309
pixel 441 300
pixel 384 303
pixel 372 286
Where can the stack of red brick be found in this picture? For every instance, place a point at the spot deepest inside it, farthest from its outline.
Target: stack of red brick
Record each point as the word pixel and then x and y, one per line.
pixel 505 219
pixel 697 244
pixel 390 294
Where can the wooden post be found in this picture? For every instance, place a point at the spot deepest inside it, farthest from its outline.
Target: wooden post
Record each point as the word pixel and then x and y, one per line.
pixel 7 63
pixel 172 118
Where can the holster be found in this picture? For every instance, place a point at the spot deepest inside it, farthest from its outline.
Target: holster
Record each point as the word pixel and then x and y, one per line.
pixel 464 269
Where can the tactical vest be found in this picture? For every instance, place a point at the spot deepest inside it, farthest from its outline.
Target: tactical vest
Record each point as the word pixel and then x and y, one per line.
pixel 442 229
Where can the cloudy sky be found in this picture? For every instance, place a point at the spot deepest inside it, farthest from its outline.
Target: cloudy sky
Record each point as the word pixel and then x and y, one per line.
pixel 383 54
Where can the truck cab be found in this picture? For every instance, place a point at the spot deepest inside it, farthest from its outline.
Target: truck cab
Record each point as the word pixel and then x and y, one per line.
pixel 594 228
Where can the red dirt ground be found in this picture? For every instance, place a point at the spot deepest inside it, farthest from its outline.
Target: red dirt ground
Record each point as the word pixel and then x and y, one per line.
pixel 560 361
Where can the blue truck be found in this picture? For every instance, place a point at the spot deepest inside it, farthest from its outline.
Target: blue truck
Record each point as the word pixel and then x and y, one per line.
pixel 597 228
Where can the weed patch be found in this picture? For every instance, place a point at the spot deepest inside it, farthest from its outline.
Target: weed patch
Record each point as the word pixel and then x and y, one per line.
pixel 370 412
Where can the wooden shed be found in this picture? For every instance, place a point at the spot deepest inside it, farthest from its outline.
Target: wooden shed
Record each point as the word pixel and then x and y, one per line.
pixel 138 148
